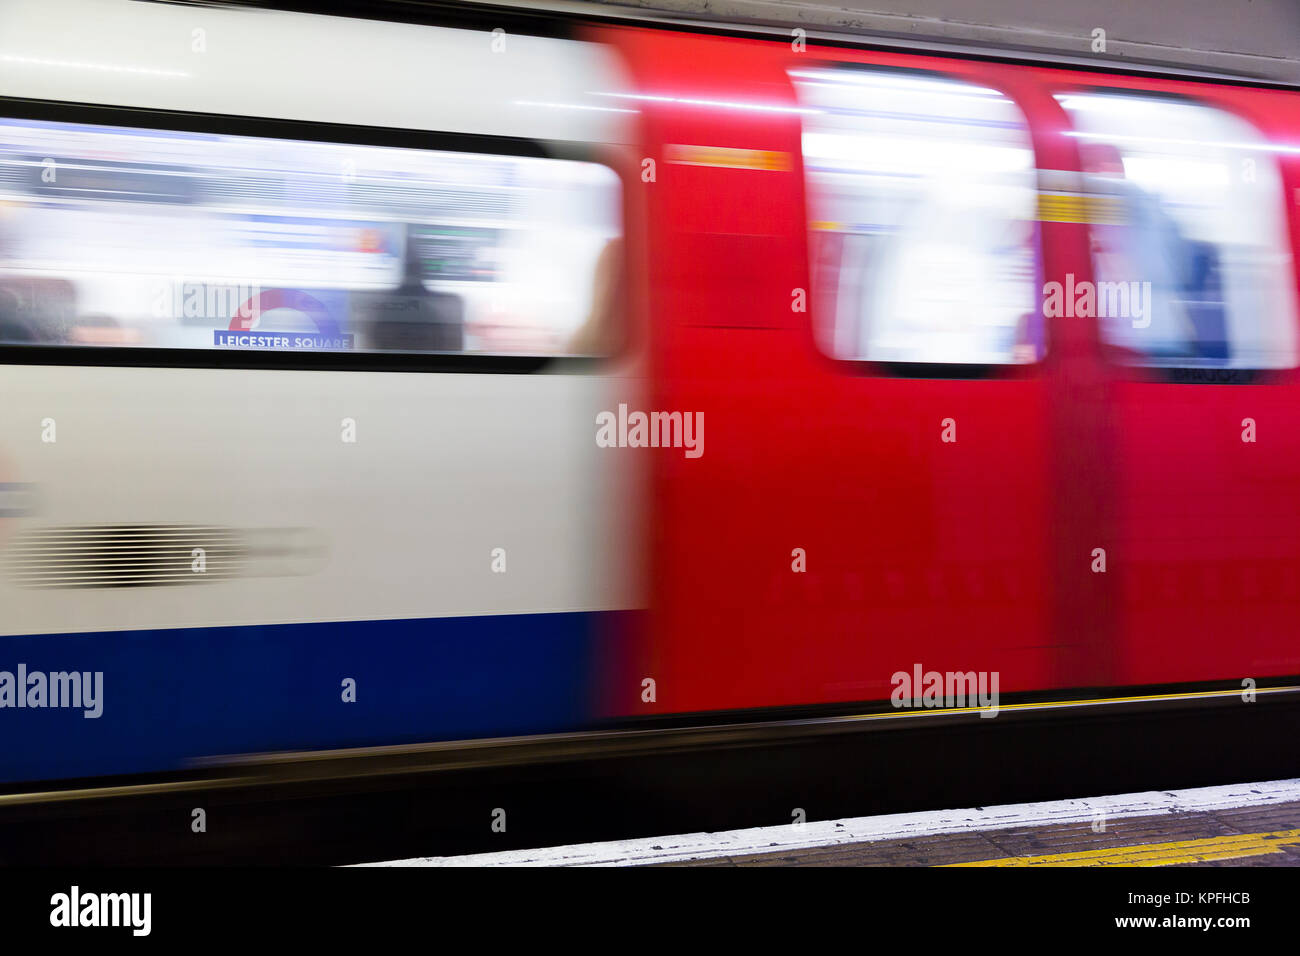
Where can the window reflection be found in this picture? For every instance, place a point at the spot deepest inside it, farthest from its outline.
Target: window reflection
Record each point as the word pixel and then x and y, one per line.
pixel 1189 210
pixel 115 236
pixel 922 194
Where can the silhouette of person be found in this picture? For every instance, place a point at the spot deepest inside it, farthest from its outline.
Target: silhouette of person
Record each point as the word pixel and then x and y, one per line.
pixel 412 318
pixel 1148 246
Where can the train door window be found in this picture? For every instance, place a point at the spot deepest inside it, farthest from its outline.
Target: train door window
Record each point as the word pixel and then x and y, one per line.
pixel 922 199
pixel 166 239
pixel 1192 264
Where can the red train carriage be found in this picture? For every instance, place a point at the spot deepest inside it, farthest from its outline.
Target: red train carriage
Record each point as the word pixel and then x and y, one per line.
pixel 952 459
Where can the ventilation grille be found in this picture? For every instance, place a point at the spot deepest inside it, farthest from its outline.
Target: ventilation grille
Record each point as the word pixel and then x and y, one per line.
pixel 125 556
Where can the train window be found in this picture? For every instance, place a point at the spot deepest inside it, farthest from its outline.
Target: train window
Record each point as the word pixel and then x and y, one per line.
pixel 162 239
pixel 1188 239
pixel 922 196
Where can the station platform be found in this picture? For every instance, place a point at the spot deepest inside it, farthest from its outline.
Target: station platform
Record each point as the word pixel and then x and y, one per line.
pixel 1253 824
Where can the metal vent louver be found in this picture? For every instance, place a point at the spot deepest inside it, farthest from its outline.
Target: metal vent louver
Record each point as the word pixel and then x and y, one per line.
pixel 123 556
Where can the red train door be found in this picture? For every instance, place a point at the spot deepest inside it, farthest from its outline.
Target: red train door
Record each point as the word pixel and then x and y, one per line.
pixel 932 367
pixel 873 493
pixel 1195 301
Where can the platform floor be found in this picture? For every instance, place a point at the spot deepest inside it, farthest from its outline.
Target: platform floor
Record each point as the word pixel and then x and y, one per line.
pixel 1244 836
pixel 1248 824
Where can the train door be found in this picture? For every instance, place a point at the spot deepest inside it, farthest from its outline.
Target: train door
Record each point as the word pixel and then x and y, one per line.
pixel 873 492
pixel 1195 300
pixel 926 261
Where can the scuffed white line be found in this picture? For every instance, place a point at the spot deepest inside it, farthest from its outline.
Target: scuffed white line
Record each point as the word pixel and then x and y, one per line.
pixel 700 846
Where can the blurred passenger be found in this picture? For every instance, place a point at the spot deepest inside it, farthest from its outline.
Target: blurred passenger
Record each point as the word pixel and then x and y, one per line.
pixel 1185 314
pixel 955 281
pixel 600 333
pixel 36 311
pixel 412 318
pixel 13 326
pixel 1205 303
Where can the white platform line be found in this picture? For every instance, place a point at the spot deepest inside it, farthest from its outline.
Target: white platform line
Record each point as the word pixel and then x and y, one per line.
pixel 698 846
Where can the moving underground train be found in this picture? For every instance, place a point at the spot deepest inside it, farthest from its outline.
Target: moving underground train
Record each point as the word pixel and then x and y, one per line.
pixel 373 383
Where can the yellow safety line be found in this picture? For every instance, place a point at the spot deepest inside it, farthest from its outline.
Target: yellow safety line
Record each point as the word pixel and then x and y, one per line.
pixel 1160 854
pixel 1053 704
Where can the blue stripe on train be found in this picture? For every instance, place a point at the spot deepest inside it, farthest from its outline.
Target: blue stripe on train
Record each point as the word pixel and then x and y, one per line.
pixel 176 694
